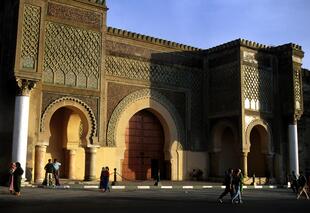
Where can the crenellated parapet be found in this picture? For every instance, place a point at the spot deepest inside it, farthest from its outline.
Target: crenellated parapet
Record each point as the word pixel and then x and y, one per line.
pixel 145 38
pixel 253 45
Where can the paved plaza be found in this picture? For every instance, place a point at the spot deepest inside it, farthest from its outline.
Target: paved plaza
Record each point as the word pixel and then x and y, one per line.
pixel 148 200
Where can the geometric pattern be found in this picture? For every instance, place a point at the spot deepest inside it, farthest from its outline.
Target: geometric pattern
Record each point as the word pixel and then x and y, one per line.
pixel 141 70
pixel 223 83
pixel 71 56
pixel 30 36
pixel 258 86
pixel 297 89
pixel 178 76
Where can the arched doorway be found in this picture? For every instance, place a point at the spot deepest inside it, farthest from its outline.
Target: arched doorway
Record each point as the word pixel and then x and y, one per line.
pixel 258 150
pixel 230 154
pixel 144 154
pixel 66 144
pixel 225 151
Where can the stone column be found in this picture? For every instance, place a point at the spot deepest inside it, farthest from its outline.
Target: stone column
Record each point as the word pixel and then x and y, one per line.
pixel 215 166
pixel 21 119
pixel 90 160
pixel 71 159
pixel 244 163
pixel 39 172
pixel 270 165
pixel 293 147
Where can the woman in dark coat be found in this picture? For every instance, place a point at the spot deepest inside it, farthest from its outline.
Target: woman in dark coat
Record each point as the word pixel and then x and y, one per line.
pixel 17 178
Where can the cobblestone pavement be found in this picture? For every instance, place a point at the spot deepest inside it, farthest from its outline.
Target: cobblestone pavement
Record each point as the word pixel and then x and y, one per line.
pixel 160 200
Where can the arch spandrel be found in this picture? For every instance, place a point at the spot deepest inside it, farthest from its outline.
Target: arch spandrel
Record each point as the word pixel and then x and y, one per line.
pixel 153 98
pixel 82 109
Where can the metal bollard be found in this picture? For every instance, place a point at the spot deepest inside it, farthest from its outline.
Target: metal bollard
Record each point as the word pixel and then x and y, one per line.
pixel 254 183
pixel 114 181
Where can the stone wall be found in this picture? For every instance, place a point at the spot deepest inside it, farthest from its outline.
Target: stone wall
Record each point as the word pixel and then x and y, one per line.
pixel 176 74
pixel 304 126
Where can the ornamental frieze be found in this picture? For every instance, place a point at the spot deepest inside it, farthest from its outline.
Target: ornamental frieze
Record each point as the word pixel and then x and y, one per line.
pixel 147 71
pixel 89 18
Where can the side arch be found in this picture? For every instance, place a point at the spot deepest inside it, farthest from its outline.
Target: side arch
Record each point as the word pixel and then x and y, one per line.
pixel 82 109
pixel 168 116
pixel 267 147
pixel 216 134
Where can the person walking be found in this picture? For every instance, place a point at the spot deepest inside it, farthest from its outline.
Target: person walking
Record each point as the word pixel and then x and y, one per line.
pixel 294 184
pixel 228 184
pixel 237 183
pixel 107 179
pixel 56 165
pixel 49 170
pixel 18 172
pixel 11 180
pixel 102 179
pixel 302 185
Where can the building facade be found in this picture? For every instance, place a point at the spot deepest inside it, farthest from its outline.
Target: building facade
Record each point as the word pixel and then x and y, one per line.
pixel 92 96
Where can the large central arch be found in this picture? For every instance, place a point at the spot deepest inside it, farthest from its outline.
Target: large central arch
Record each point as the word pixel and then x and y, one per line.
pixel 160 106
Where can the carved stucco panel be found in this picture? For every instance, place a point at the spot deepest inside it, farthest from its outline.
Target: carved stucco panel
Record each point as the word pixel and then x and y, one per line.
pixel 30 37
pixel 72 56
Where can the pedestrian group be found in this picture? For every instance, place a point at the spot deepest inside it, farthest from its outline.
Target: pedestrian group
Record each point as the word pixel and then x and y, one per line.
pixel 233 185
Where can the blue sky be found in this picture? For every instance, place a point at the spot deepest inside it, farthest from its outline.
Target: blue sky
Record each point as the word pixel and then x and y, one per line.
pixel 207 23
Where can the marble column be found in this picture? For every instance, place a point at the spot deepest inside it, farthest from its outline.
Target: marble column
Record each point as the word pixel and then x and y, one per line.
pixel 39 173
pixel 71 159
pixel 244 163
pixel 21 119
pixel 293 147
pixel 90 160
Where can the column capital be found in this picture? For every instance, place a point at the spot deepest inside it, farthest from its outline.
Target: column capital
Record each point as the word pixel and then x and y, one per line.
pixel 71 151
pixel 91 150
pixel 25 86
pixel 41 146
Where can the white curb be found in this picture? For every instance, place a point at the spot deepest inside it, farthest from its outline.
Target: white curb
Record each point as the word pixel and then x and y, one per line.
pixel 144 187
pixel 166 187
pixel 258 187
pixel 118 187
pixel 91 187
pixel 207 187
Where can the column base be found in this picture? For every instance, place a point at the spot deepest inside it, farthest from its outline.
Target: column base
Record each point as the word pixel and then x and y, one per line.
pixel 90 178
